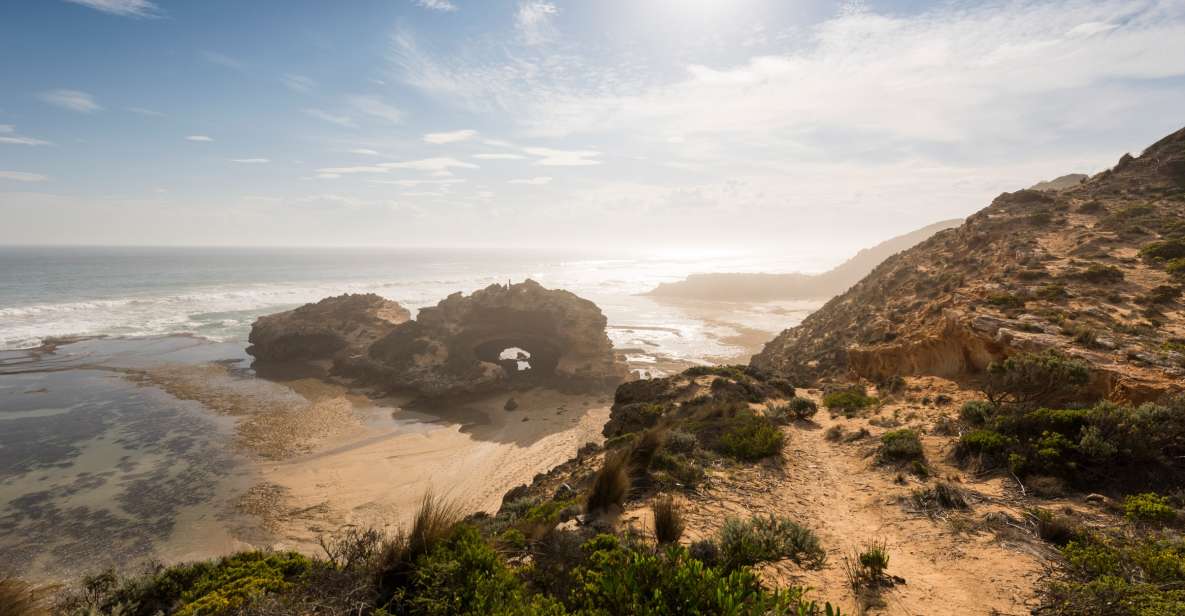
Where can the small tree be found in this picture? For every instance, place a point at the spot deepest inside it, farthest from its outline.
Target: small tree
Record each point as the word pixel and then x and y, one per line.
pixel 1033 379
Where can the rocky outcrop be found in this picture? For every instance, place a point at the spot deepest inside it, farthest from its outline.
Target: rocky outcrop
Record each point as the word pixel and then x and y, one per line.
pixel 1059 270
pixel 461 345
pixel 331 328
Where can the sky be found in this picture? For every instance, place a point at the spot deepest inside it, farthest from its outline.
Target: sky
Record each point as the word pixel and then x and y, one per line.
pixel 687 126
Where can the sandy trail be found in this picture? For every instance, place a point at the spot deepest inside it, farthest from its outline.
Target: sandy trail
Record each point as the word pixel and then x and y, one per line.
pixel 837 490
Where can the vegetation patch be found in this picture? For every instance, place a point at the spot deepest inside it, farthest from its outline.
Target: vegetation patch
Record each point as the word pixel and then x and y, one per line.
pixel 900 446
pixel 768 538
pixel 1028 379
pixel 848 401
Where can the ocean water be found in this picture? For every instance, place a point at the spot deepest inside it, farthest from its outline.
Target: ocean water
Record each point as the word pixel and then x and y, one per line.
pixel 216 293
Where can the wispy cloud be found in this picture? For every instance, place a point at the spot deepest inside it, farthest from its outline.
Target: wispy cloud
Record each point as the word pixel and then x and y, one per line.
pixel 450 137
pixel 340 120
pixel 374 106
pixel 437 5
pixel 224 60
pixel 125 8
pixel 255 161
pixel 436 166
pixel 564 158
pixel 22 176
pixel 74 100
pixel 201 138
pixel 8 135
pixel 298 83
pixel 499 156
pixel 145 111
pixel 538 181
pixel 365 152
pixel 533 19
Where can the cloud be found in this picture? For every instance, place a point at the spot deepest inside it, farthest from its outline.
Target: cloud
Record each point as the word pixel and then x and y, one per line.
pixel 202 138
pixel 145 112
pixel 224 60
pixel 22 176
pixel 436 166
pixel 74 100
pixel 563 158
pixel 340 120
pixel 251 160
pixel 533 20
pixel 437 5
pixel 414 183
pixel 298 83
pixel 124 8
pixel 450 137
pixel 365 152
pixel 538 181
pixel 8 135
pixel 499 156
pixel 374 106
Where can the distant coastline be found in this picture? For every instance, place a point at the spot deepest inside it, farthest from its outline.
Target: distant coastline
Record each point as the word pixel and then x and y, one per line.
pixel 760 287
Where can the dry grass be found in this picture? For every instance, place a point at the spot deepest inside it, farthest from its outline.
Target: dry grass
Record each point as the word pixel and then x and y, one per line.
pixel 668 520
pixel 434 521
pixel 645 447
pixel 611 484
pixel 19 598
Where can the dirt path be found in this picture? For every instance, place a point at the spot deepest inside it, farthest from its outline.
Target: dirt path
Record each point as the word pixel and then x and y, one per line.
pixel 836 489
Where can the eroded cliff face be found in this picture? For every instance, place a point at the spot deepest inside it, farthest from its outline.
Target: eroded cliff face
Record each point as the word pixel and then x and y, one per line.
pixel 1070 270
pixel 500 337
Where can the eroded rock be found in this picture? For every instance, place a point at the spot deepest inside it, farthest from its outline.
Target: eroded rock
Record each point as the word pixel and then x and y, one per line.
pixel 499 337
pixel 331 328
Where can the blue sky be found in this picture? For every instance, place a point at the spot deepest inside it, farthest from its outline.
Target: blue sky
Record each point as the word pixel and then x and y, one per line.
pixel 688 125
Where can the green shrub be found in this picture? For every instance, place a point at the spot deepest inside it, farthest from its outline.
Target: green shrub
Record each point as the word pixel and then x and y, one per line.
pixel 1006 301
pixel 803 408
pixel 976 412
pixel 679 441
pixel 763 539
pixel 987 443
pixel 848 400
pixel 1148 507
pixel 1100 274
pixel 1121 574
pixel 682 470
pixel 463 574
pixel 899 446
pixel 1035 378
pixel 750 437
pixel 618 579
pixel 1176 267
pixel 1165 250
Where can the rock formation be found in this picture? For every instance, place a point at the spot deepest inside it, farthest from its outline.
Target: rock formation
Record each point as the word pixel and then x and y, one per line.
pixel 335 326
pixel 1088 270
pixel 460 345
pixel 739 287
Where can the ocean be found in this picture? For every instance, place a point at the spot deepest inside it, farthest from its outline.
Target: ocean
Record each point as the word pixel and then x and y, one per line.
pixel 216 293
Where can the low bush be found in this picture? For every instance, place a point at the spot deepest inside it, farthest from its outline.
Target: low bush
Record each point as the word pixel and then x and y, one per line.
pixel 679 441
pixel 942 496
pixel 976 412
pixel 677 470
pixel 1098 273
pixel 1120 574
pixel 1165 250
pixel 848 401
pixel 750 437
pixel 1028 379
pixel 1148 507
pixel 1006 301
pixel 900 446
pixel 764 539
pixel 1176 267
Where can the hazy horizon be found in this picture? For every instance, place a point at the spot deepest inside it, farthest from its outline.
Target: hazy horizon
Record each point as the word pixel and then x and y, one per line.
pixel 748 126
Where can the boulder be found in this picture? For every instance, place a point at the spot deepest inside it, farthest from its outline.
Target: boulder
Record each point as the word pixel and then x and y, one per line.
pixel 335 327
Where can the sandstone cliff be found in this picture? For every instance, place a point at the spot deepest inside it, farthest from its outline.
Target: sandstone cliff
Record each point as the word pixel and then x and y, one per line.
pixel 1093 270
pixel 342 325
